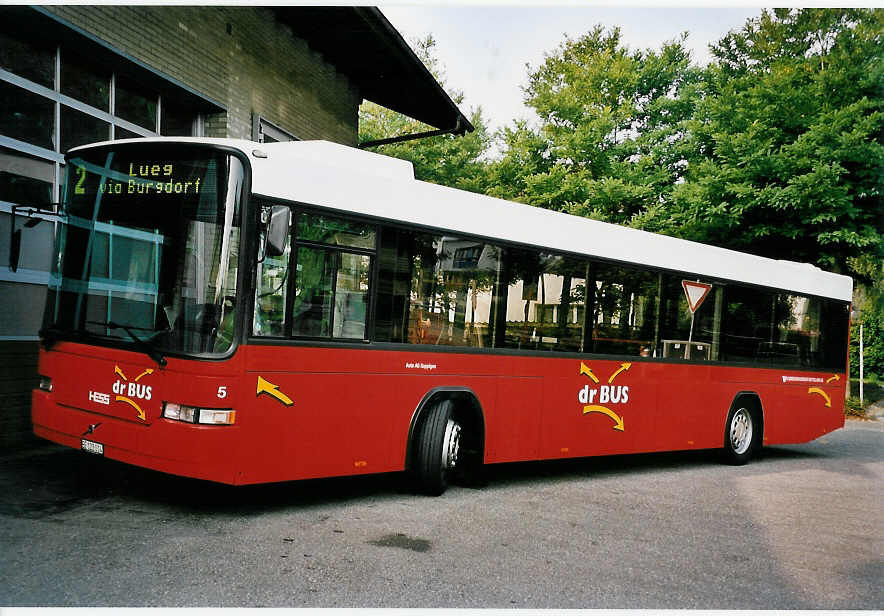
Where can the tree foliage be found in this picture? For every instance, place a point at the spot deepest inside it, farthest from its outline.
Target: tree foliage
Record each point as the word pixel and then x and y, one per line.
pixel 869 305
pixel 774 148
pixel 787 141
pixel 610 120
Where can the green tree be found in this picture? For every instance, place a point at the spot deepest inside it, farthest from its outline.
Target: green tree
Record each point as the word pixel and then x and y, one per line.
pixel 786 142
pixel 611 122
pixel 869 305
pixel 450 160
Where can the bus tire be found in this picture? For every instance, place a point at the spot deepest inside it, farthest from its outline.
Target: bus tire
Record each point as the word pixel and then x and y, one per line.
pixel 438 448
pixel 741 432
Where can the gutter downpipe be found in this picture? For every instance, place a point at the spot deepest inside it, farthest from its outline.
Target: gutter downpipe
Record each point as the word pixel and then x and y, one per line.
pixel 457 130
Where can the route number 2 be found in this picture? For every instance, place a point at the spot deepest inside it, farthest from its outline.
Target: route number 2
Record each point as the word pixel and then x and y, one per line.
pixel 79 189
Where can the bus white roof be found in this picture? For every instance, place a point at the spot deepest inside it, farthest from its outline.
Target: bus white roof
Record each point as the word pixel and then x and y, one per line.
pixel 346 179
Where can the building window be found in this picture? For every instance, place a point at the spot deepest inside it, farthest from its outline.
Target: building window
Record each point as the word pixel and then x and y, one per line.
pixel 136 104
pixel 25 179
pixel 30 59
pixel 54 98
pixel 26 116
pixel 84 82
pixel 264 131
pixel 78 128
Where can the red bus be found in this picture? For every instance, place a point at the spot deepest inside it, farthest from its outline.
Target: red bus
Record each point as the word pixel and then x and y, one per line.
pixel 244 313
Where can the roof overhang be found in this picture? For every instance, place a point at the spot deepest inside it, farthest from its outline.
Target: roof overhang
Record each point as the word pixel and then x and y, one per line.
pixel 364 46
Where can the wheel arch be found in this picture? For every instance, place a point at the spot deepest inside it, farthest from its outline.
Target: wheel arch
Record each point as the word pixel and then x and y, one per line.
pixel 467 408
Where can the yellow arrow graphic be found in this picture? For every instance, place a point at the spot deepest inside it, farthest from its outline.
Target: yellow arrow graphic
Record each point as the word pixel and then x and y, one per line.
pixel 141 415
pixel 592 408
pixel 584 370
pixel 120 372
pixel 623 368
pixel 145 373
pixel 817 390
pixel 266 387
pixel 834 377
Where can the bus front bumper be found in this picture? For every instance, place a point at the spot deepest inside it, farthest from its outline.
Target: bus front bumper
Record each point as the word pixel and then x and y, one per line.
pixel 200 452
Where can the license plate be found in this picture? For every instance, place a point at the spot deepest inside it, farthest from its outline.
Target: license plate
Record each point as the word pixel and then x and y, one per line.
pixel 92 447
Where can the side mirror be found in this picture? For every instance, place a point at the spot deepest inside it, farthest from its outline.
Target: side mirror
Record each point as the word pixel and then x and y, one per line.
pixel 46 212
pixel 15 240
pixel 14 248
pixel 276 220
pixel 278 230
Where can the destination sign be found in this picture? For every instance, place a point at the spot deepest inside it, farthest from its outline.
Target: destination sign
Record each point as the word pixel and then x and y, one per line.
pixel 145 178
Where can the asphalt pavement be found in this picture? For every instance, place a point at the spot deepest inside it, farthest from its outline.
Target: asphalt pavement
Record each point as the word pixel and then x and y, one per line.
pixel 799 528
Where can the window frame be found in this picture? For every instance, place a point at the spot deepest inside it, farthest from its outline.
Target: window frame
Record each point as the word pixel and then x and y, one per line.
pixel 288 335
pixel 337 250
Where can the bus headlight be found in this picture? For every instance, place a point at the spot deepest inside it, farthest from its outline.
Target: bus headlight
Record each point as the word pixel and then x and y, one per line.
pixel 197 415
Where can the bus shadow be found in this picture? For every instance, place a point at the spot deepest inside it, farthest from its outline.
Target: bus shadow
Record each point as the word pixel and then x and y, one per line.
pixel 202 496
pixel 52 480
pixel 597 466
pixel 56 480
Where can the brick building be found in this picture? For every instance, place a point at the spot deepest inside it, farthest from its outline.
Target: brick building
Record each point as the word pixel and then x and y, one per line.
pixel 73 74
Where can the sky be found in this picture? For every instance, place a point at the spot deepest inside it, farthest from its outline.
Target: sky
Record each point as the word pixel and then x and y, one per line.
pixel 483 49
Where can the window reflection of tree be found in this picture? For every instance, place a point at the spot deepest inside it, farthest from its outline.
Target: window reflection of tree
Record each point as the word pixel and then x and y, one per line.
pixel 625 310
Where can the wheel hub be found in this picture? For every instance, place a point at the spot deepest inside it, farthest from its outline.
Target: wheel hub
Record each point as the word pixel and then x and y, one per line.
pixel 451 445
pixel 741 431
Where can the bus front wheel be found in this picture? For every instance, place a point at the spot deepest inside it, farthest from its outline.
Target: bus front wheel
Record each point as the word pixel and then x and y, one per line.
pixel 438 448
pixel 741 434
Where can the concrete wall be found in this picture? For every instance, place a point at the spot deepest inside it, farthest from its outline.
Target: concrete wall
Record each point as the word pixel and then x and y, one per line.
pixel 18 376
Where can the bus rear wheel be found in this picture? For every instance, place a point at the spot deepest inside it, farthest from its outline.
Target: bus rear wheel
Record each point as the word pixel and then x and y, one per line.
pixel 438 448
pixel 741 434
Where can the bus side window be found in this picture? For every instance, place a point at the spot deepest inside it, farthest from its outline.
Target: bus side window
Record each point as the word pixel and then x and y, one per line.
pixel 542 297
pixel 686 334
pixel 331 293
pixel 624 310
pixel 270 294
pixel 333 259
pixel 351 295
pixel 311 315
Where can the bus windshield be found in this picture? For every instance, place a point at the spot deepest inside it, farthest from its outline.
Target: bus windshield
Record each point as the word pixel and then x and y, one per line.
pixel 147 255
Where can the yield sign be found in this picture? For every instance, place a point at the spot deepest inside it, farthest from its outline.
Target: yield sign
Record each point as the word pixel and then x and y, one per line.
pixel 696 292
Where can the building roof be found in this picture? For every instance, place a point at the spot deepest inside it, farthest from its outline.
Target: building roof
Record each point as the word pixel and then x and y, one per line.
pixel 358 41
pixel 364 46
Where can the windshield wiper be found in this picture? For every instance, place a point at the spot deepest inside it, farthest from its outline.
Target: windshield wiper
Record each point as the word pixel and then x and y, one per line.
pixel 143 345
